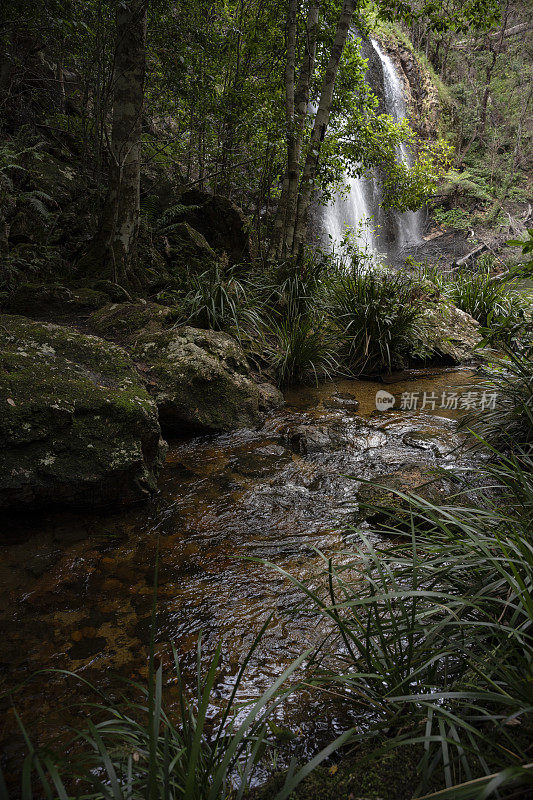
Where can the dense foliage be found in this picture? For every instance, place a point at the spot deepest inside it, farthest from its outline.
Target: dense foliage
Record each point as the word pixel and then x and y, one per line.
pixel 133 136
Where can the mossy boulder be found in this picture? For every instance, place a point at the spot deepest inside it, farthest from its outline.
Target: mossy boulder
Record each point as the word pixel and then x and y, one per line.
pixel 77 426
pixel 115 292
pixel 202 381
pixel 220 221
pixel 124 321
pixel 188 250
pixel 53 301
pixel 450 334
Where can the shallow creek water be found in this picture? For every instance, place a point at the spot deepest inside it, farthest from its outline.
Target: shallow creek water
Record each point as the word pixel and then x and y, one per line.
pixel 76 591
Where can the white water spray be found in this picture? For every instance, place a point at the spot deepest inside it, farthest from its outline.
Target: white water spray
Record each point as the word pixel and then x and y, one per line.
pixel 408 225
pixel 352 211
pixel 359 208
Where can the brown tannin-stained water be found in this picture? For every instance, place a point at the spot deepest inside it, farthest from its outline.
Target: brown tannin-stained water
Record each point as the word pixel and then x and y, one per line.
pixel 76 591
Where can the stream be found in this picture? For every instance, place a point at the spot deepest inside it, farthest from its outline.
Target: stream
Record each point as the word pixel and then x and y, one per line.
pixel 76 591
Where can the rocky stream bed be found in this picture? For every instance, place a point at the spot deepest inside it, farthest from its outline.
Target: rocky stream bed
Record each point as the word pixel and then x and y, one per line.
pixel 76 591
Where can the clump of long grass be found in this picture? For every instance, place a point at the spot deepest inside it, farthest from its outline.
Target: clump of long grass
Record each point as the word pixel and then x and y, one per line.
pixel 221 300
pixel 135 750
pixel 377 316
pixel 485 297
pixel 432 630
pixel 295 288
pixel 508 422
pixel 299 348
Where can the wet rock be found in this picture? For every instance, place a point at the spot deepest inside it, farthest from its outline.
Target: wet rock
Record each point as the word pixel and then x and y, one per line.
pixel 260 461
pixel 438 442
pixel 341 400
pixel 77 427
pixel 337 457
pixel 202 381
pixel 270 398
pixel 379 499
pixel 336 435
pixel 451 334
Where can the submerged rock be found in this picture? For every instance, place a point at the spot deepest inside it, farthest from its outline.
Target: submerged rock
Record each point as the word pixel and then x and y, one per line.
pixel 77 427
pixel 202 382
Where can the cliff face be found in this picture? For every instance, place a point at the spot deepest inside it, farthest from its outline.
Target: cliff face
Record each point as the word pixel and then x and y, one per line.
pixel 374 74
pixel 422 95
pixel 420 92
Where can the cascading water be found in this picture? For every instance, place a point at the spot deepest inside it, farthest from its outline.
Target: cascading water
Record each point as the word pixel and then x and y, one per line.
pixel 351 210
pixel 408 225
pixel 359 207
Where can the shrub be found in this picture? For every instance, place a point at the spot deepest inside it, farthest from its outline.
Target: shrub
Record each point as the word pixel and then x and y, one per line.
pixel 300 347
pixel 377 316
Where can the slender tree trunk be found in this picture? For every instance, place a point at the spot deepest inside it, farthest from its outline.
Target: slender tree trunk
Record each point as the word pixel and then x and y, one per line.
pixel 301 100
pixel 280 219
pixel 321 123
pixel 115 245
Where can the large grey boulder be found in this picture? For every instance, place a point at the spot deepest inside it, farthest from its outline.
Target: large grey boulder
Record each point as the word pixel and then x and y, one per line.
pixel 77 426
pixel 450 333
pixel 202 382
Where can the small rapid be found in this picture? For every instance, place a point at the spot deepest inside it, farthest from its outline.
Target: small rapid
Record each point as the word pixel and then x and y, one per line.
pixel 76 591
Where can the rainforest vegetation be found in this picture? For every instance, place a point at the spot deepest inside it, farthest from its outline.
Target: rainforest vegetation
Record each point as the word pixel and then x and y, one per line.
pixel 266 341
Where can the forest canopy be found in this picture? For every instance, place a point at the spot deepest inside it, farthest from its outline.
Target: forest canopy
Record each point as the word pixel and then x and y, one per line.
pixel 263 102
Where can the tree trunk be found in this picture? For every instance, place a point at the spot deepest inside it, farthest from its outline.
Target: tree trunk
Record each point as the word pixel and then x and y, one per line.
pixel 114 250
pixel 297 104
pixel 301 100
pixel 319 129
pixel 281 214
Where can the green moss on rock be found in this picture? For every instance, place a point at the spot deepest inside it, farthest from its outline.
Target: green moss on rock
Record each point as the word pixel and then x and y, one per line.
pixel 52 301
pixel 202 381
pixel 450 333
pixel 125 320
pixel 189 250
pixel 77 428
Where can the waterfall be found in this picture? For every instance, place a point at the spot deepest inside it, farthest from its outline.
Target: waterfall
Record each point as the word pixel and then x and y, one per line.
pixel 359 207
pixel 409 224
pixel 351 210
